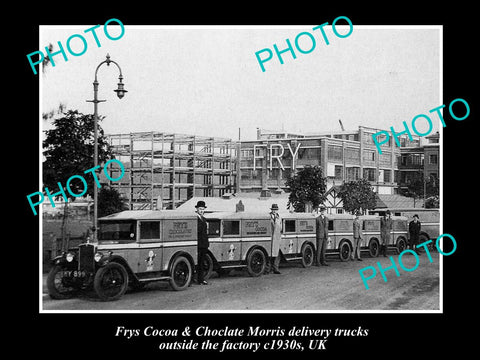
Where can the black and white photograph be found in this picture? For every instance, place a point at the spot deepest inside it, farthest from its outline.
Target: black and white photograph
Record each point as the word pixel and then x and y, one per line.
pixel 282 157
pixel 248 187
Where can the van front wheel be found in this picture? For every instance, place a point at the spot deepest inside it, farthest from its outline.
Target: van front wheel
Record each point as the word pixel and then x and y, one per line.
pixel 345 251
pixel 181 273
pixel 307 255
pixel 111 282
pixel 256 262
pixel 374 248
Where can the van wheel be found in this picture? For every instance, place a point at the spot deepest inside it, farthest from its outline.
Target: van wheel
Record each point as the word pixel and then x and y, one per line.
pixel 207 266
pixel 307 255
pixel 110 282
pixel 423 238
pixel 401 245
pixel 181 273
pixel 345 251
pixel 58 286
pixel 256 262
pixel 374 248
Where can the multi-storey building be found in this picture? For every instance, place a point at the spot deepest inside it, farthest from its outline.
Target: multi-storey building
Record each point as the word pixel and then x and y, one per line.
pixel 162 170
pixel 165 170
pixel 420 162
pixel 267 162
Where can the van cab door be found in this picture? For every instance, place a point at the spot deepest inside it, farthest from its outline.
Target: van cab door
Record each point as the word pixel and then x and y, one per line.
pixel 150 250
pixel 289 242
pixel 231 240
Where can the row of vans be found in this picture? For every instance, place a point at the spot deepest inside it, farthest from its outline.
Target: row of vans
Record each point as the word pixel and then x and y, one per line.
pixel 137 247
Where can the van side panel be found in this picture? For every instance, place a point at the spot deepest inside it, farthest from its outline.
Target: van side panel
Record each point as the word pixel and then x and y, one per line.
pixel 256 232
pixel 179 235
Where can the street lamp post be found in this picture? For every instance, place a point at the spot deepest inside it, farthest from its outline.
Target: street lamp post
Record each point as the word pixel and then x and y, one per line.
pixel 120 93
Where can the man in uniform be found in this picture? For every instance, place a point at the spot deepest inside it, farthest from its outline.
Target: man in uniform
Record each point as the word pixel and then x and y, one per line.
pixel 414 229
pixel 321 235
pixel 385 229
pixel 357 237
pixel 276 224
pixel 203 243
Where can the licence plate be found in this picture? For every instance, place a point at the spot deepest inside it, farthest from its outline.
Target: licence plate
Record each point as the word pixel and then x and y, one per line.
pixel 74 273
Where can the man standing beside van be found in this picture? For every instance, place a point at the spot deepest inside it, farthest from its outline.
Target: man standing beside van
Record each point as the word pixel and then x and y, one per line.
pixel 385 229
pixel 357 237
pixel 414 229
pixel 203 243
pixel 276 224
pixel 321 235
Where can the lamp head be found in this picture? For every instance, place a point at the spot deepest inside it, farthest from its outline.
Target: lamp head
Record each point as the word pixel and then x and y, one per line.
pixel 120 90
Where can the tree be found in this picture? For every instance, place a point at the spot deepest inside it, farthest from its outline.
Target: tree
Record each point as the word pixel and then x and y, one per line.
pixel 357 195
pixel 68 150
pixel 419 187
pixel 433 202
pixel 110 201
pixel 59 110
pixel 308 185
pixel 47 60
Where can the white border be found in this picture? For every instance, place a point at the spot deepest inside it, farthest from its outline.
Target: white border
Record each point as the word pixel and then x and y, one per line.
pixel 203 27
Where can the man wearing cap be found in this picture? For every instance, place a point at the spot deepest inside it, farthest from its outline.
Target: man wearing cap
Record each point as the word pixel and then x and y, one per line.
pixel 202 238
pixel 414 229
pixel 385 229
pixel 276 224
pixel 357 237
pixel 321 235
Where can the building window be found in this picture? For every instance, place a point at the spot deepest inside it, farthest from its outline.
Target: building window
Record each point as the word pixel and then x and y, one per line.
pixel 369 155
pixel 368 138
pixel 385 159
pixel 249 174
pixel 434 159
pixel 352 155
pixel 369 174
pixel 353 173
pixel 335 152
pixel 247 153
pixel 338 172
pixel 273 174
pixel 309 153
pixel 387 176
pixel 258 151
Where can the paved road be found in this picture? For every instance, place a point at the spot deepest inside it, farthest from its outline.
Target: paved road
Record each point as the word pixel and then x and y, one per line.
pixel 336 287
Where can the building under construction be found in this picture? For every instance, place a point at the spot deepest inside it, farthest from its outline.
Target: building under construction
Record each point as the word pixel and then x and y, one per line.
pixel 163 170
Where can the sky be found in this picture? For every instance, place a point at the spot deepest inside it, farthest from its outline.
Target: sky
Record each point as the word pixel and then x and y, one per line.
pixel 206 80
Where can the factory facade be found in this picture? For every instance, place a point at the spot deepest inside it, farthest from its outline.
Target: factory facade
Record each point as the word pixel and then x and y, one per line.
pixel 165 170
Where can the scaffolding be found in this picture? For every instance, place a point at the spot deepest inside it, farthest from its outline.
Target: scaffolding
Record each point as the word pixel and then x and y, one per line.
pixel 163 170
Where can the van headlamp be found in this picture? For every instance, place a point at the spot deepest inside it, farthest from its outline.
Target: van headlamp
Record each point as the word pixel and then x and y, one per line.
pixel 98 256
pixel 69 257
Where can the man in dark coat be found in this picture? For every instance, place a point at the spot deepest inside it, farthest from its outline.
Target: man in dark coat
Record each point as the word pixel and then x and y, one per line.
pixel 203 243
pixel 357 237
pixel 414 229
pixel 386 224
pixel 321 235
